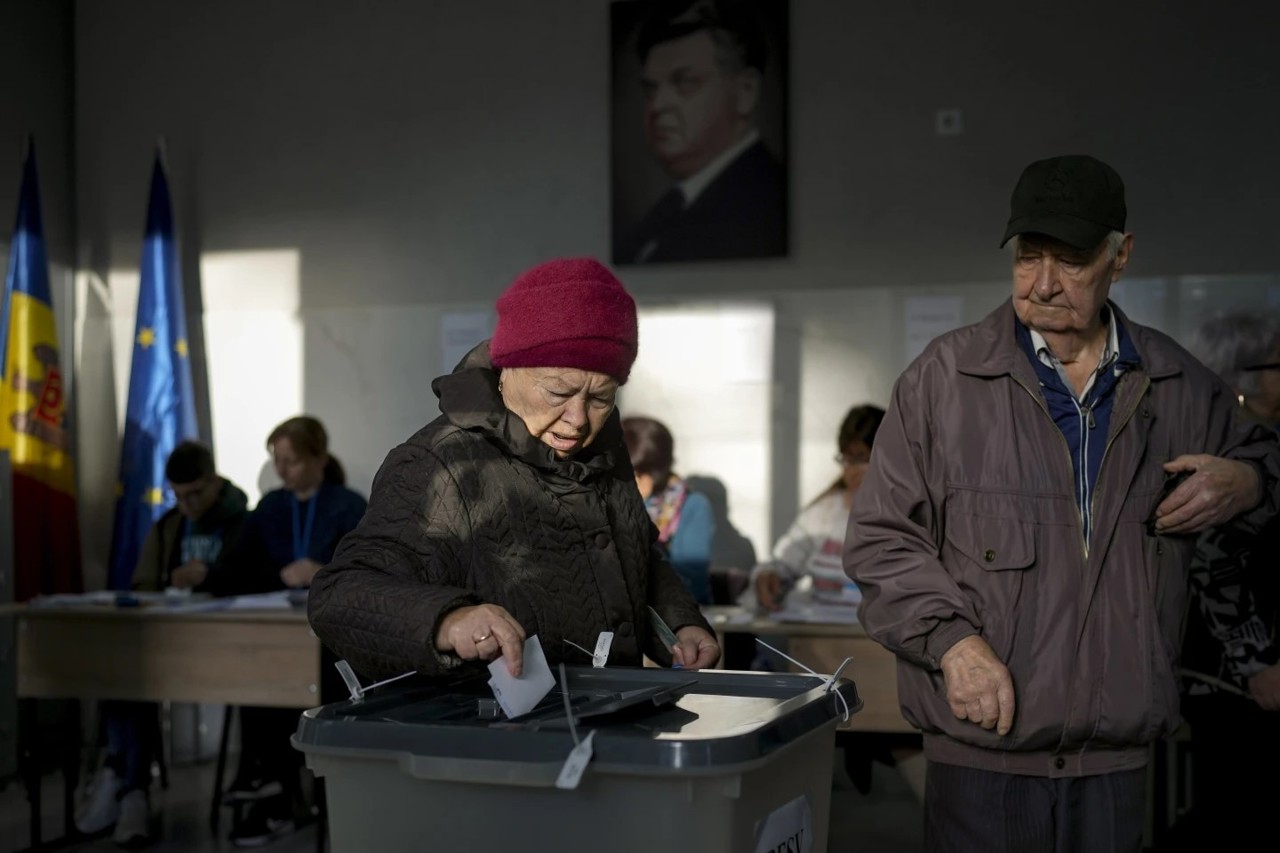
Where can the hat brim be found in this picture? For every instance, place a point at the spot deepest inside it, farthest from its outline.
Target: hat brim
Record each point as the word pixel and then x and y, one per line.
pixel 1072 230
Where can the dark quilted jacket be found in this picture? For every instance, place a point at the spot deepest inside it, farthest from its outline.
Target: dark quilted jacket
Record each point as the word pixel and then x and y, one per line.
pixel 473 509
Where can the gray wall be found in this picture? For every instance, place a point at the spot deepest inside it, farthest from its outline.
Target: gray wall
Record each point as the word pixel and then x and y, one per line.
pixel 419 151
pixel 38 66
pixel 414 156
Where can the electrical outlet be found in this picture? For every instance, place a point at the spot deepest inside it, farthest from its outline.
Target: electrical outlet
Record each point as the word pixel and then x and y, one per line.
pixel 949 122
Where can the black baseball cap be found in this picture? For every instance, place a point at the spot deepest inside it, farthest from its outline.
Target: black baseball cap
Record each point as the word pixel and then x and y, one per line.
pixel 1076 198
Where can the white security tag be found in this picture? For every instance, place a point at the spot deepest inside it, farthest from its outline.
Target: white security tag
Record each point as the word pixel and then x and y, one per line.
pixel 349 678
pixel 576 764
pixel 601 655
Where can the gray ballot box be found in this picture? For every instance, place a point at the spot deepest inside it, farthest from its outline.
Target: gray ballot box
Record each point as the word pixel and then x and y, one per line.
pixel 700 761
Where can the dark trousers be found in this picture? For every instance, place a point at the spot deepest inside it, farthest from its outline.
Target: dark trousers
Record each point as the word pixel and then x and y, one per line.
pixel 1235 756
pixel 980 811
pixel 265 751
pixel 132 730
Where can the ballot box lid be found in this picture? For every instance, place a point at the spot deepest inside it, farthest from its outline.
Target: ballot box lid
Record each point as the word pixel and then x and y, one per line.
pixel 645 719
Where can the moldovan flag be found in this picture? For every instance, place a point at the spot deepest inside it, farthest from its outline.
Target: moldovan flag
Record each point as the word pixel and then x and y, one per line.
pixel 33 424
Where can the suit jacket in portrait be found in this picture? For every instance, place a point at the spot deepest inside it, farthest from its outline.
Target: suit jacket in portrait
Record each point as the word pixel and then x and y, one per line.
pixel 742 213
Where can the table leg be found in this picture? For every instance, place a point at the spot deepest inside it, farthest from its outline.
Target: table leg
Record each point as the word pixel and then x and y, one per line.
pixel 29 737
pixel 215 813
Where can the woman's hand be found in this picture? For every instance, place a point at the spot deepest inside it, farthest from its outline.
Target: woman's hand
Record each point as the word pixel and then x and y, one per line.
pixel 300 572
pixel 769 589
pixel 695 648
pixel 482 632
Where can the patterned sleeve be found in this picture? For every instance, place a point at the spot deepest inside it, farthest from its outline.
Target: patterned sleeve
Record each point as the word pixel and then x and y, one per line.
pixel 1218 572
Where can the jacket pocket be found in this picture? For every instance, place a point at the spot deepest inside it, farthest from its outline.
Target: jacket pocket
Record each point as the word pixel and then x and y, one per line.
pixel 989 561
pixel 1168 559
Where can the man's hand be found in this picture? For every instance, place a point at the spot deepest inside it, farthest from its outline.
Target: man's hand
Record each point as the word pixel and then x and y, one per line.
pixel 189 574
pixel 1217 491
pixel 979 687
pixel 696 648
pixel 1265 688
pixel 300 572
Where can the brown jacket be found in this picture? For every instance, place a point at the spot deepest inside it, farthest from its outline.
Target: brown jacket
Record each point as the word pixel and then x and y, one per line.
pixel 473 509
pixel 966 524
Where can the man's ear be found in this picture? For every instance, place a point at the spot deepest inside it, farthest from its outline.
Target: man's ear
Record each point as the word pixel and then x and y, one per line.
pixel 1122 256
pixel 747 92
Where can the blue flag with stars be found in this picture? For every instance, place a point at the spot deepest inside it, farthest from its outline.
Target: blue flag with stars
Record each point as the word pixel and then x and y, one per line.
pixel 161 410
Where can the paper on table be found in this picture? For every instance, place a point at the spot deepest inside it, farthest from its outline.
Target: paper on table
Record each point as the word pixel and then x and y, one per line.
pixel 278 600
pixel 519 695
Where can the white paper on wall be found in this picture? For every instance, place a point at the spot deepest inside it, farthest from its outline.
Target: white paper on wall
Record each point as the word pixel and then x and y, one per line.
pixel 459 332
pixel 1142 301
pixel 747 339
pixel 926 317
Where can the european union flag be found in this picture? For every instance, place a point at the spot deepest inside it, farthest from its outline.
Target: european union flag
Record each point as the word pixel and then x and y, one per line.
pixel 161 411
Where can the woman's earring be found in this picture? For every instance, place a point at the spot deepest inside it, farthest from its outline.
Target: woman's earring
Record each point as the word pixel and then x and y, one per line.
pixel 1240 400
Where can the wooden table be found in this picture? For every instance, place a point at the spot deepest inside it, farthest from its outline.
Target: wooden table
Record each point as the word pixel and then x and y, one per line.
pixel 823 647
pixel 232 657
pixel 264 657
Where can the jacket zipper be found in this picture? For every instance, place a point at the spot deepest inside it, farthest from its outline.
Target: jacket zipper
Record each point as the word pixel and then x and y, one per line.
pixel 1142 392
pixel 1084 544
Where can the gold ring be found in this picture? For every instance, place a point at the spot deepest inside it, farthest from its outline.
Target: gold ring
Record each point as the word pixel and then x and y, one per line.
pixel 485 637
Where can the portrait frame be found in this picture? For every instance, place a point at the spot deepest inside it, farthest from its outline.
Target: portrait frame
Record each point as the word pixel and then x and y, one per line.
pixel 735 198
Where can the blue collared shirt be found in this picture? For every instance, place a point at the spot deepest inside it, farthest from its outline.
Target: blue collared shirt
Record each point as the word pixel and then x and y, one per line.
pixel 1084 420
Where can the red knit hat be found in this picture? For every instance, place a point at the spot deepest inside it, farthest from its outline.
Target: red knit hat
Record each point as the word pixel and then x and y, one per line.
pixel 570 312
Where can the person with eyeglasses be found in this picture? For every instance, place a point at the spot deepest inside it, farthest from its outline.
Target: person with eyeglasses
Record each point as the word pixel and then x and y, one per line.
pixel 209 515
pixel 811 548
pixel 1231 652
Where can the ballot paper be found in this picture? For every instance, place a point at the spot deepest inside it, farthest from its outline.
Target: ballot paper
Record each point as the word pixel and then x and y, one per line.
pixel 519 695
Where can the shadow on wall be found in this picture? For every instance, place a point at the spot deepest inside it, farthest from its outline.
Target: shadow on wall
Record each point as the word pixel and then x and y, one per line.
pixel 732 554
pixel 268 479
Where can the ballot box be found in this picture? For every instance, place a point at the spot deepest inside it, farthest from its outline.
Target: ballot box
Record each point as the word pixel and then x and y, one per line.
pixel 678 761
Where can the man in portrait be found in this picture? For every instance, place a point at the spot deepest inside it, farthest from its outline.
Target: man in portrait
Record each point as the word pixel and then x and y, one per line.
pixel 702 67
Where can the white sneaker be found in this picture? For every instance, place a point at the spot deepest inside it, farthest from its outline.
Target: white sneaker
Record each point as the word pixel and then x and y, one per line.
pixel 102 807
pixel 134 827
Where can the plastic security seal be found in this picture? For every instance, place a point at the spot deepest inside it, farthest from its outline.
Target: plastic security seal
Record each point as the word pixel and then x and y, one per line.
pixel 350 679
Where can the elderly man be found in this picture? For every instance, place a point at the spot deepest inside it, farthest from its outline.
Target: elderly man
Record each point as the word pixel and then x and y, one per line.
pixel 702 62
pixel 1021 538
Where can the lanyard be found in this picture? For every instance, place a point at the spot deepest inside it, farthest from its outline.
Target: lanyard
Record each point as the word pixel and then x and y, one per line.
pixel 302 536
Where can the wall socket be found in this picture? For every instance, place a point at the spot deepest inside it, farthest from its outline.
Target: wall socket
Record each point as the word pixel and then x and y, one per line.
pixel 949 122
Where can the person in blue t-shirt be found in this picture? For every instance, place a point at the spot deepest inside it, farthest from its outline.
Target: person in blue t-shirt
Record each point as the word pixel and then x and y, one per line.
pixel 291 533
pixel 686 526
pixel 208 515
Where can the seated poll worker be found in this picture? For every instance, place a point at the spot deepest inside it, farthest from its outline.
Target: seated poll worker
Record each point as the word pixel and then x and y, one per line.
pixel 1023 543
pixel 178 551
pixel 290 533
pixel 515 513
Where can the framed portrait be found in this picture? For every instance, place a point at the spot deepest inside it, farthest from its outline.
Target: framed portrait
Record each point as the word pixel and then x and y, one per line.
pixel 699 130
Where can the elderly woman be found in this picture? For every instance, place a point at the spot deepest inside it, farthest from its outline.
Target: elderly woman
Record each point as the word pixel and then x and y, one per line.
pixel 515 512
pixel 1231 651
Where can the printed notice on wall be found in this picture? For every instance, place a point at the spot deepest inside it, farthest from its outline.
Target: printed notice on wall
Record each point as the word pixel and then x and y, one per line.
pixel 927 317
pixel 789 829
pixel 746 344
pixel 1141 300
pixel 460 331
